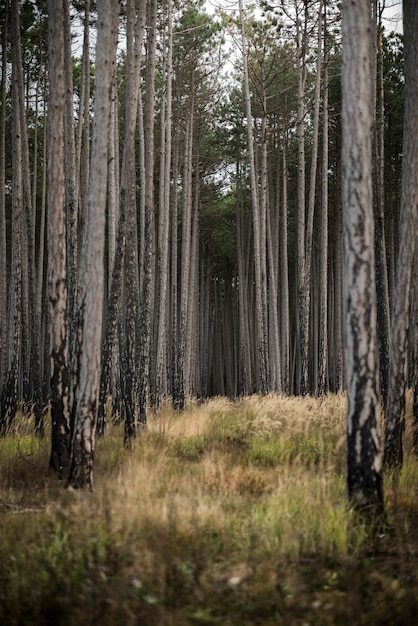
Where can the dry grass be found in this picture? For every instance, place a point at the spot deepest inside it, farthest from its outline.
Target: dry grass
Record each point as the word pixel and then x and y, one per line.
pixel 230 512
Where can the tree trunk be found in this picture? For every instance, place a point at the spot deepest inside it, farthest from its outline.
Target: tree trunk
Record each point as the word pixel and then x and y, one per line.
pixel 379 203
pixel 174 274
pixel 414 352
pixel 3 256
pixel 57 276
pixel 323 384
pixel 273 301
pixel 303 304
pixel 259 264
pixel 9 394
pixel 29 355
pixel 71 188
pixel 164 222
pixel 148 269
pixel 92 285
pixel 83 129
pixel 307 384
pixel 83 173
pixel 129 363
pixel 408 235
pixel 364 480
pixel 180 391
pixel 284 286
pixel 245 365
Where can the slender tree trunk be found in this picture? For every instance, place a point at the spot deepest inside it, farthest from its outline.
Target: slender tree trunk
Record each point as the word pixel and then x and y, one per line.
pixel 71 188
pixel 284 283
pixel 57 275
pixel 29 356
pixel 128 204
pixel 83 173
pixel 42 302
pixel 364 480
pixel 148 268
pixel 3 256
pixel 273 300
pixel 174 283
pixel 414 350
pixel 408 234
pixel 191 349
pixel 164 223
pixel 83 132
pixel 383 321
pixel 92 285
pixel 305 308
pixel 113 182
pixel 323 384
pixel 36 312
pixel 303 304
pixel 9 394
pixel 180 390
pixel 338 356
pixel 117 255
pixel 260 311
pixel 245 368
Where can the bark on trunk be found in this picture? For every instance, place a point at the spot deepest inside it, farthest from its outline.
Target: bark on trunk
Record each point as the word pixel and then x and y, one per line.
pixel 148 269
pixel 3 256
pixel 57 276
pixel 408 229
pixel 364 480
pixel 92 286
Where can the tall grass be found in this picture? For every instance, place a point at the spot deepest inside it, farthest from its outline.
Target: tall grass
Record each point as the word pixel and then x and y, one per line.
pixel 229 512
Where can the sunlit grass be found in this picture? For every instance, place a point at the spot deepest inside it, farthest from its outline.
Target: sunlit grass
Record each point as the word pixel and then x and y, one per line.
pixel 229 512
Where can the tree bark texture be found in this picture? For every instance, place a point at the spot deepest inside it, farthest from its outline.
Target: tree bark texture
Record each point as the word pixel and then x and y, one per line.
pixel 259 244
pixel 408 228
pixel 57 275
pixel 3 255
pixel 147 292
pixel 364 480
pixel 81 472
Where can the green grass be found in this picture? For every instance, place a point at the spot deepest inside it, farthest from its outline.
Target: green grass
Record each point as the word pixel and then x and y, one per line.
pixel 230 513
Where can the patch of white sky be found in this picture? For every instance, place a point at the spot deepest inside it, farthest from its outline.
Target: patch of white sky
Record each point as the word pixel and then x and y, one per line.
pixel 392 15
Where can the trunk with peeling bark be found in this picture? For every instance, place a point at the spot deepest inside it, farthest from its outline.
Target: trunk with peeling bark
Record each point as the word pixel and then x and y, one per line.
pixel 364 479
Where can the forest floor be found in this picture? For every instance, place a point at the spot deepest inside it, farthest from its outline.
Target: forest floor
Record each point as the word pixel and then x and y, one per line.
pixel 229 513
